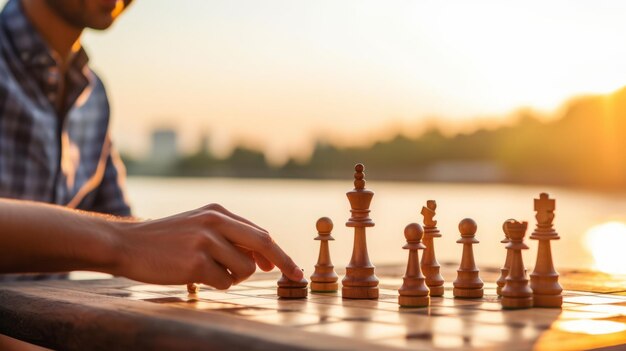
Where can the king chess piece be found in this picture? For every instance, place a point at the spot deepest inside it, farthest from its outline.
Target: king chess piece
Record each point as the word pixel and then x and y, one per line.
pixel 324 278
pixel 413 292
pixel 516 293
pixel 544 280
pixel 429 263
pixel 360 282
pixel 468 283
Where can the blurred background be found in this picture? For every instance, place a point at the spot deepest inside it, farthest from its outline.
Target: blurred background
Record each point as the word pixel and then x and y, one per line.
pixel 266 106
pixel 420 91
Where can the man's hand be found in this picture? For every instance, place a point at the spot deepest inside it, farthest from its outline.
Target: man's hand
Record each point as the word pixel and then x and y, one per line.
pixel 209 245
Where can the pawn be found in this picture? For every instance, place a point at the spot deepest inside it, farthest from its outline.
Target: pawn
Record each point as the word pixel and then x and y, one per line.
pixel 193 288
pixel 324 278
pixel 290 289
pixel 413 292
pixel 468 284
pixel 516 293
pixel 504 271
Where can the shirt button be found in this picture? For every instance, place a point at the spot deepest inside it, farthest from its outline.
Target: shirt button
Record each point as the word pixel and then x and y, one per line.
pixel 53 76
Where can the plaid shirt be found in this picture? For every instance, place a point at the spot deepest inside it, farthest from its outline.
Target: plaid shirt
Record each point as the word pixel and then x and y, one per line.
pixel 50 150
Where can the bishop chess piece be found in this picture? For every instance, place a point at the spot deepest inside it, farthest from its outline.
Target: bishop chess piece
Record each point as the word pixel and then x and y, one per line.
pixel 324 278
pixel 504 271
pixel 544 280
pixel 429 263
pixel 291 289
pixel 468 284
pixel 413 292
pixel 360 281
pixel 516 293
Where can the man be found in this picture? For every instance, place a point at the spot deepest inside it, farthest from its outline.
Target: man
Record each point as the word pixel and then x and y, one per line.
pixel 54 147
pixel 54 112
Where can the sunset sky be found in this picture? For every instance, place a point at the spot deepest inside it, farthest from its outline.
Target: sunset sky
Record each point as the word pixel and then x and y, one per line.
pixel 277 74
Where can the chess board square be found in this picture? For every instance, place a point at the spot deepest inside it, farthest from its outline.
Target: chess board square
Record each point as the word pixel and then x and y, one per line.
pixel 591 300
pixel 292 319
pixel 613 309
pixel 216 295
pixel 169 289
pixel 357 329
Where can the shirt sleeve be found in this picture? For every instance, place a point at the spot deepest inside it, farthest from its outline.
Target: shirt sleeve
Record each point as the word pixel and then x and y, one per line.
pixel 110 195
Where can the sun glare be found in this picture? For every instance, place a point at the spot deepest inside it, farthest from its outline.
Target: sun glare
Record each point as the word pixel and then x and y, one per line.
pixel 606 243
pixel 590 326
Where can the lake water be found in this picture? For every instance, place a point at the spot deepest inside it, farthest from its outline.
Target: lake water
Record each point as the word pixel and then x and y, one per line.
pixel 290 208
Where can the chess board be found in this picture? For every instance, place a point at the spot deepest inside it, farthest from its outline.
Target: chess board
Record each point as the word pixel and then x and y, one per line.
pixel 125 313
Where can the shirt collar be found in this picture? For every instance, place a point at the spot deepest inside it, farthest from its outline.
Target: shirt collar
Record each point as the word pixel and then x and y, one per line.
pixel 30 47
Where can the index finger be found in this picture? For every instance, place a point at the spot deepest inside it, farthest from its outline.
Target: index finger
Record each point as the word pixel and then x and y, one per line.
pixel 259 241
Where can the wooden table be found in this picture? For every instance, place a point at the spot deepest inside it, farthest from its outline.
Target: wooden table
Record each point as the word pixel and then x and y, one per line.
pixel 118 314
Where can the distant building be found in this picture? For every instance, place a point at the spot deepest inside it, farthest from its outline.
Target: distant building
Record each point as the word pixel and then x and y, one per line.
pixel 164 151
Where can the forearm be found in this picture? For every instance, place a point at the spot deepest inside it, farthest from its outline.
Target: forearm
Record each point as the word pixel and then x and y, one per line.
pixel 36 237
pixel 208 245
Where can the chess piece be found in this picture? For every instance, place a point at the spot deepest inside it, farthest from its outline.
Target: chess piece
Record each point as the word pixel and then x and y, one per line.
pixel 544 280
pixel 429 264
pixel 290 289
pixel 516 293
pixel 468 283
pixel 504 271
pixel 324 278
pixel 193 288
pixel 360 282
pixel 413 292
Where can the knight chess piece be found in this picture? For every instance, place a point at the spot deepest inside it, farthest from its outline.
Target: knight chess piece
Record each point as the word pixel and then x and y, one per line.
pixel 413 292
pixel 324 278
pixel 429 263
pixel 544 280
pixel 516 293
pixel 504 271
pixel 360 282
pixel 468 283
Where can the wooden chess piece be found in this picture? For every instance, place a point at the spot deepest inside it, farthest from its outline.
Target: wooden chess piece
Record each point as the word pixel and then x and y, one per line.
pixel 468 283
pixel 429 263
pixel 360 282
pixel 516 293
pixel 324 278
pixel 544 280
pixel 504 271
pixel 193 288
pixel 413 292
pixel 290 289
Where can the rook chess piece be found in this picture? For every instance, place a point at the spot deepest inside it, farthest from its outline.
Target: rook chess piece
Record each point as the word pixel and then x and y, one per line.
pixel 324 279
pixel 429 263
pixel 504 271
pixel 292 289
pixel 360 281
pixel 413 292
pixel 544 280
pixel 516 293
pixel 468 283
